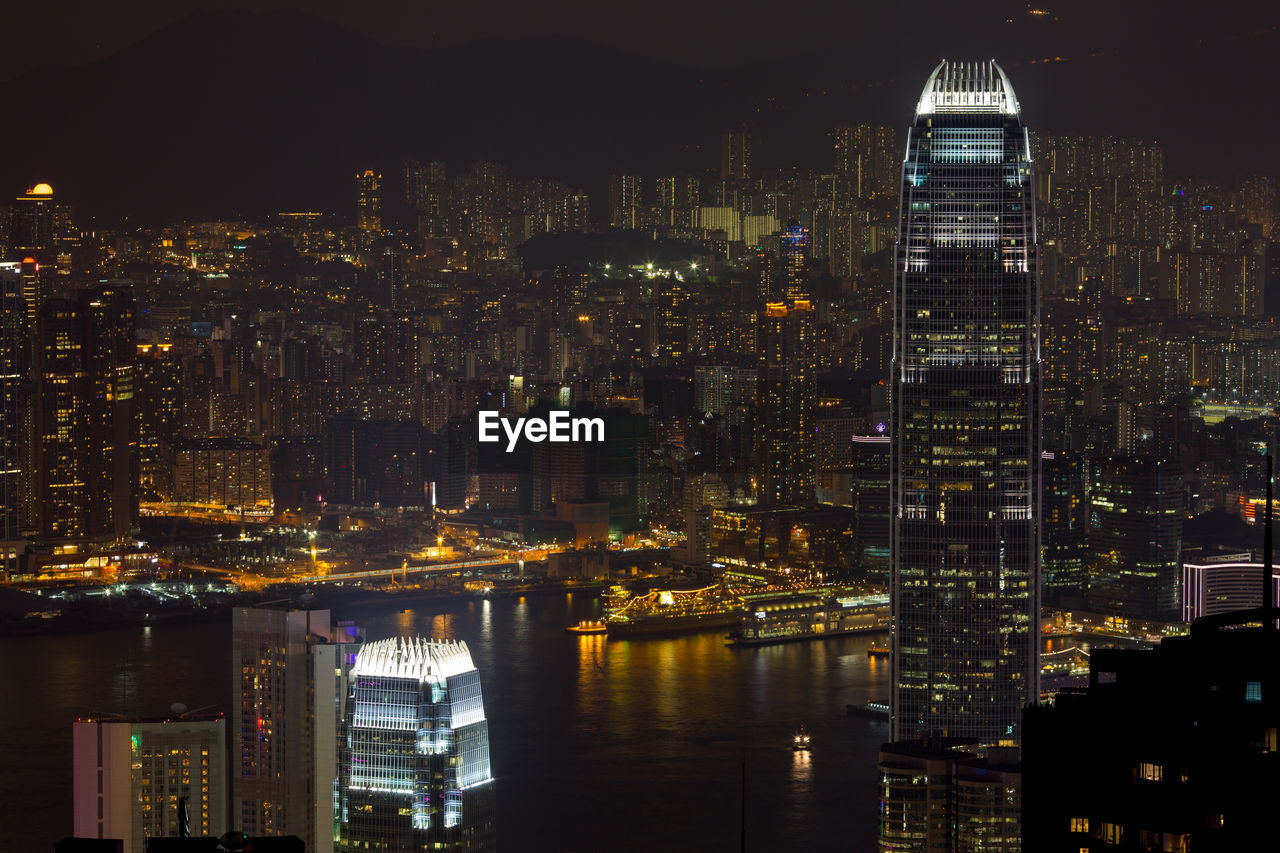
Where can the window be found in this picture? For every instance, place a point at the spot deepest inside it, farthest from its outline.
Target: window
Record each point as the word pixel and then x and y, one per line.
pixel 1079 824
pixel 1253 691
pixel 1150 772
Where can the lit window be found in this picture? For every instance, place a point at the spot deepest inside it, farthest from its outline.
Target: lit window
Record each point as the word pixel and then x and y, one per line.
pixel 1253 691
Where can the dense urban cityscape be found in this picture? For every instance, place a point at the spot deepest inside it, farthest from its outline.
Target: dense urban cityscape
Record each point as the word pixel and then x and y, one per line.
pixel 916 498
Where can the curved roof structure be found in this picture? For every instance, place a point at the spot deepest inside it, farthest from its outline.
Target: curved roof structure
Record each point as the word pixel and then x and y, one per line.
pixel 413 657
pixel 967 87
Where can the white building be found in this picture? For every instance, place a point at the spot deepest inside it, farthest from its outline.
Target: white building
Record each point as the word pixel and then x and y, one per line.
pixel 129 777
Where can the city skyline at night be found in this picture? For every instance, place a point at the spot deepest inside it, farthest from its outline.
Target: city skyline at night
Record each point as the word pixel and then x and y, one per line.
pixel 586 430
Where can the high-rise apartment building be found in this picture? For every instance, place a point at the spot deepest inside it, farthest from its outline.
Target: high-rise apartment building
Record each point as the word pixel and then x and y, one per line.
pixel 965 379
pixel 415 757
pixel 369 200
pixel 1065 529
pixel 14 362
pixel 625 200
pixel 785 399
pixel 1135 537
pixel 736 155
pixel 31 225
pixel 868 156
pixel 290 672
pixel 795 257
pixel 84 457
pixel 132 778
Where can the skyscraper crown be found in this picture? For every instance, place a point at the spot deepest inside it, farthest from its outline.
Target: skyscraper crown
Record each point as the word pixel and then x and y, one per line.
pixel 413 657
pixel 967 87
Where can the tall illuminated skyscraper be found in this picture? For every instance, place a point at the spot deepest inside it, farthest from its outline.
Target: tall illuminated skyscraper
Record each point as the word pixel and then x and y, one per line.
pixel 415 760
pixel 83 459
pixel 786 393
pixel 965 376
pixel 795 256
pixel 369 200
pixel 14 361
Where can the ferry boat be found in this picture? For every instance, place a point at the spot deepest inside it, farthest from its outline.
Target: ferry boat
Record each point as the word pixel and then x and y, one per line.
pixel 801 739
pixel 874 651
pixel 809 615
pixel 875 710
pixel 588 626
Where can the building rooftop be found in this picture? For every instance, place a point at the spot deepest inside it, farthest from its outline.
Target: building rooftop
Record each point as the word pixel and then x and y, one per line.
pixel 967 87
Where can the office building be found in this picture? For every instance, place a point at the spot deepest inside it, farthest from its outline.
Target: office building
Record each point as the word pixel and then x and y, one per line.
pixel 290 672
pixel 1135 538
pixel 1214 587
pixel 131 776
pixel 965 377
pixel 415 759
pixel 946 795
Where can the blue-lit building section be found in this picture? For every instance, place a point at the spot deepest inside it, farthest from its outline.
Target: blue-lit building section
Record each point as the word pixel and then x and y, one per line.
pixel 965 452
pixel 415 757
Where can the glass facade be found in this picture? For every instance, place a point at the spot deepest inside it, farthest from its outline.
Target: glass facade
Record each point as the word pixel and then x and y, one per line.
pixel 965 375
pixel 415 758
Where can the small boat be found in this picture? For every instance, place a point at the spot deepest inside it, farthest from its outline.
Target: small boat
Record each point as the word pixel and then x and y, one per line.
pixel 588 626
pixel 875 710
pixel 801 739
pixel 874 651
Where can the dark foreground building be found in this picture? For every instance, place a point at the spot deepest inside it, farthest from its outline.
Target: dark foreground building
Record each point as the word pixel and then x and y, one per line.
pixel 1171 749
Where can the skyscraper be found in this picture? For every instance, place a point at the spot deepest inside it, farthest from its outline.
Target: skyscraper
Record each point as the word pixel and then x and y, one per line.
pixel 795 256
pixel 415 761
pixel 1064 529
pixel 736 155
pixel 290 672
pixel 14 360
pixel 965 377
pixel 84 458
pixel 1135 537
pixel 625 200
pixel 786 395
pixel 369 200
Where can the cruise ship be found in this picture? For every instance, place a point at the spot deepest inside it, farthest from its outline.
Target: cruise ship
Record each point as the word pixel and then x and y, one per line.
pixel 675 611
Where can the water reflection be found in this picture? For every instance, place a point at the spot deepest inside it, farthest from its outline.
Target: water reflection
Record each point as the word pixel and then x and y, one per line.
pixel 589 734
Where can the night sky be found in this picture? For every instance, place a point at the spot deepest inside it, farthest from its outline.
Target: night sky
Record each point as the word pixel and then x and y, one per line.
pixel 1200 78
pixel 884 35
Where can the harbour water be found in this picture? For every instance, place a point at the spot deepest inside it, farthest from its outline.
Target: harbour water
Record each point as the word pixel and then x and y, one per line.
pixel 598 744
